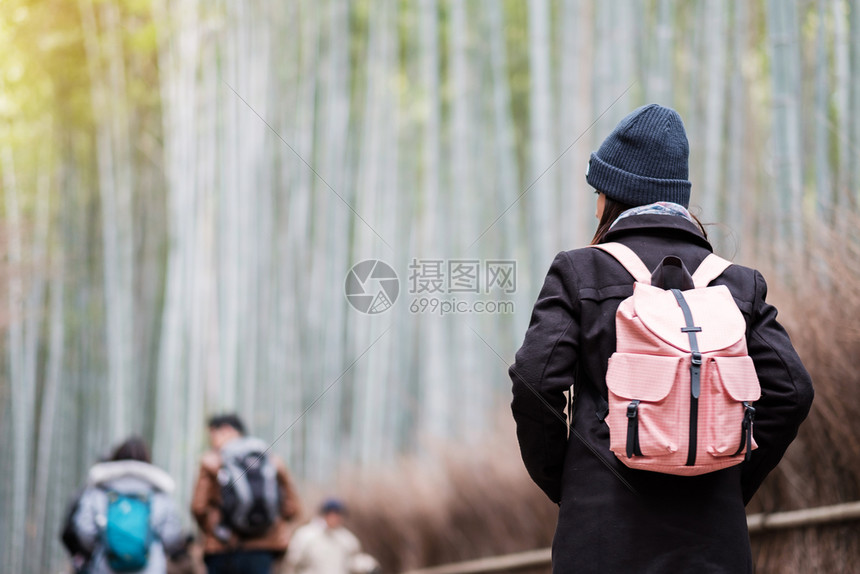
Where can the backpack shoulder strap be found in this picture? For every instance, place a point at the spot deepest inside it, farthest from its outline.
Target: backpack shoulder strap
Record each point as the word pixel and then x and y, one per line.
pixel 712 267
pixel 626 257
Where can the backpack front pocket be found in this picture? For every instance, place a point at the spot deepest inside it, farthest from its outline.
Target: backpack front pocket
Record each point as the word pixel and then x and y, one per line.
pixel 733 388
pixel 643 412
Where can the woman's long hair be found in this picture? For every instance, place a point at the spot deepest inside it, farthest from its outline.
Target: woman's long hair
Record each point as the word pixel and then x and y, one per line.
pixel 611 210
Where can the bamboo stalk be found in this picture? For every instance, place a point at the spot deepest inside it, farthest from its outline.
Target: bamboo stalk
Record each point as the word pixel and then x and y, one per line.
pixel 433 390
pixel 715 108
pixel 660 79
pixel 841 79
pixel 853 119
pixel 21 433
pixel 736 170
pixel 783 31
pixel 539 199
pixel 824 203
pixel 464 157
pixel 48 415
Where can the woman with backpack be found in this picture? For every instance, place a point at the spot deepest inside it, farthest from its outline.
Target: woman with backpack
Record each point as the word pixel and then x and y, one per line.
pixel 617 513
pixel 125 516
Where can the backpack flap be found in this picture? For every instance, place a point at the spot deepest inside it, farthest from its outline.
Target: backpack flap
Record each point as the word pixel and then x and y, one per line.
pixel 645 377
pixel 713 308
pixel 738 377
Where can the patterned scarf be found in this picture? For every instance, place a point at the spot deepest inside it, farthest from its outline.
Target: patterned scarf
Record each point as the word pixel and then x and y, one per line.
pixel 659 208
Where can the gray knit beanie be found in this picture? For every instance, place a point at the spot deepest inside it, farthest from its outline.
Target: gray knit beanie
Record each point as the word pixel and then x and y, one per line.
pixel 644 159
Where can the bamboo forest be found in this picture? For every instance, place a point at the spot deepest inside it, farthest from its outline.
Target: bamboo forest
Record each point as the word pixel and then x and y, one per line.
pixel 333 217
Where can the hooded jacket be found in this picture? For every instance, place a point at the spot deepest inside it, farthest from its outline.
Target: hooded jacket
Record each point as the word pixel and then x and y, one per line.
pixel 613 518
pixel 129 477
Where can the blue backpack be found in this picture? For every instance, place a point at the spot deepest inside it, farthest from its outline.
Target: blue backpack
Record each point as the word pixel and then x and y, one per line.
pixel 127 533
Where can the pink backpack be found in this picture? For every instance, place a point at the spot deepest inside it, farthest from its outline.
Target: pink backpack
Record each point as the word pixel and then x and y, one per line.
pixel 681 384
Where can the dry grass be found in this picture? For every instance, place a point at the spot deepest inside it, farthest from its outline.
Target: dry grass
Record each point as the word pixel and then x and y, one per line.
pixel 478 501
pixel 475 501
pixel 823 464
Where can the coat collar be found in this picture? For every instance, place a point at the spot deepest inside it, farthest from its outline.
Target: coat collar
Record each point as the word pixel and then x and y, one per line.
pixel 671 225
pixel 105 472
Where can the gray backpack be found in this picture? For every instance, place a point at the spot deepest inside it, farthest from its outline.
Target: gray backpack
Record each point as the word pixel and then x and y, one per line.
pixel 250 496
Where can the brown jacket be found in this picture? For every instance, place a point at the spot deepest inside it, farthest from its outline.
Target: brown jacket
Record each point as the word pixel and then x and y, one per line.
pixel 206 508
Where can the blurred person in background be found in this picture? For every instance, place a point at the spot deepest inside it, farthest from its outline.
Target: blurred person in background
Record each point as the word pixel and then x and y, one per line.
pixel 125 519
pixel 242 502
pixel 325 546
pixel 613 518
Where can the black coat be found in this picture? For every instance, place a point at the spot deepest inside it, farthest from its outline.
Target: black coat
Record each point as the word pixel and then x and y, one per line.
pixel 612 518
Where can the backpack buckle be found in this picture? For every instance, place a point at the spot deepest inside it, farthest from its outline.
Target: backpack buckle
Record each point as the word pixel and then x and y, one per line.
pixel 632 409
pixel 633 429
pixel 749 411
pixel 697 358
pixel 749 417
